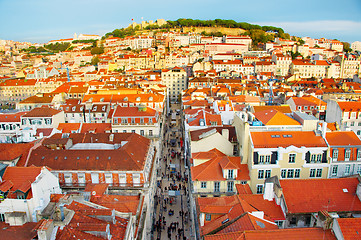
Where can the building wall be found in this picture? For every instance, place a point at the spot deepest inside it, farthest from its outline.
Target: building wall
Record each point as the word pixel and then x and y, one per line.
pixel 216 140
pixel 283 163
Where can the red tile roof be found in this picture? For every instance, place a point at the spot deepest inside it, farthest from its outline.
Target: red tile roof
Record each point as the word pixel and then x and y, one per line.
pixel 11 117
pixel 11 151
pixel 350 106
pixel 134 112
pixel 41 112
pixel 69 127
pixel 212 169
pixel 277 139
pixel 249 222
pixel 274 117
pixel 272 210
pixel 243 189
pixel 277 234
pixel 313 195
pixel 21 178
pixel 342 138
pixel 282 108
pixel 131 156
pixel 350 228
pixel 23 232
pixel 96 127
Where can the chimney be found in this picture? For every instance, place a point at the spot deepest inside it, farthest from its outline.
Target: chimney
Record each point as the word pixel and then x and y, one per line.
pixel 268 191
pixel 62 212
pixel 45 230
pixel 225 133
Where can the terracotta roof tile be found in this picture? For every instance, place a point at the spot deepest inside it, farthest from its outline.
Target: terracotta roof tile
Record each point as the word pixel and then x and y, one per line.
pixel 274 117
pixel 333 195
pixel 342 138
pixel 277 139
pixel 277 234
pixel 23 232
pixel 350 228
pixel 41 112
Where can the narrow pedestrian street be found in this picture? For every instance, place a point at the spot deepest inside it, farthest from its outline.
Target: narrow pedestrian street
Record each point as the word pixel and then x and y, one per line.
pixel 172 220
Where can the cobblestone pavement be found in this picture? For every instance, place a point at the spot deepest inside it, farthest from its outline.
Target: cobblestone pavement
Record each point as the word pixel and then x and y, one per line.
pixel 172 219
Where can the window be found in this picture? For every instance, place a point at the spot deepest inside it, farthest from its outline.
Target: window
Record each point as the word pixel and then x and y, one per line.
pixel 313 158
pixel 267 174
pixel 291 158
pixel 335 154
pixel 141 120
pixel 124 120
pixel 260 174
pixel 261 159
pixel 319 172
pixel 347 169
pixel 208 217
pixel 150 120
pixel 133 131
pixel 230 173
pixel 267 159
pixel 283 173
pixel 216 186
pixel 334 170
pixel 47 121
pixel 352 124
pixel 203 184
pixel 347 154
pixel 312 172
pixel 259 188
pixel 359 168
pixel 319 158
pixel 297 173
pixel 132 120
pixel 142 132
pixel 290 173
pixel 230 186
pixel 150 133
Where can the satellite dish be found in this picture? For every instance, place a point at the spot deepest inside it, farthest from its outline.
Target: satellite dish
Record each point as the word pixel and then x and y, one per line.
pixel 93 193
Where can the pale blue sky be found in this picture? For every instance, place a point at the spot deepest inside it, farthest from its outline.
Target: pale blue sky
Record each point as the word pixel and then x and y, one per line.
pixel 45 20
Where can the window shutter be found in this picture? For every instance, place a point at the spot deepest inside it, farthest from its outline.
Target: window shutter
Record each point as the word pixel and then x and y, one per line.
pixel 255 157
pixel 308 156
pixel 324 157
pixel 274 157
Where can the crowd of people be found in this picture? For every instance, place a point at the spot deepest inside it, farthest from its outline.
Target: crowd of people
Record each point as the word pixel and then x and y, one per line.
pixel 172 191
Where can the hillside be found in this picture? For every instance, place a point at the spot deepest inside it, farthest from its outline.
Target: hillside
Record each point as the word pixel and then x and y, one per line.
pixel 217 27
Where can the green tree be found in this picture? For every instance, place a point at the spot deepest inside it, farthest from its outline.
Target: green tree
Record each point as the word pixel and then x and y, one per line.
pixel 346 47
pixel 97 50
pixel 95 60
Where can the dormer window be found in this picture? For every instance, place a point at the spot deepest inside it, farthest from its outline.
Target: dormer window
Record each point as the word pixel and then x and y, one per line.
pixel 103 108
pixel 137 99
pixel 125 99
pixel 73 109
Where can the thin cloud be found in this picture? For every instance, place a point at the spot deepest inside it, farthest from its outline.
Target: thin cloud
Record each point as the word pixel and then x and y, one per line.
pixel 314 26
